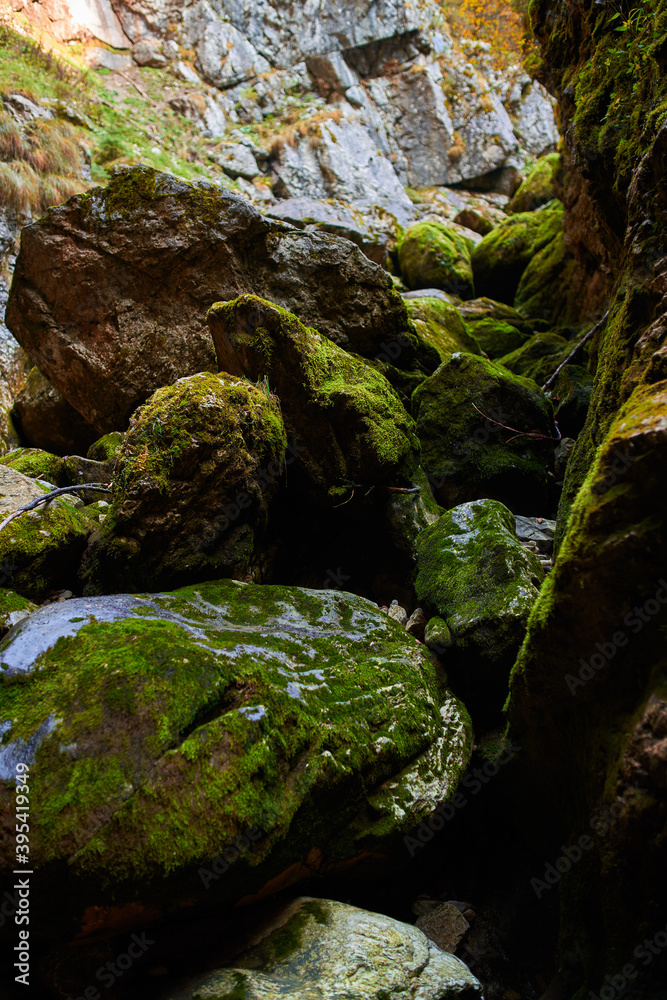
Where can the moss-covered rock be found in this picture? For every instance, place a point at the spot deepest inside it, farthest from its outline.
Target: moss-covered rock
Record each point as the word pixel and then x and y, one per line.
pixel 571 397
pixel 475 575
pixel 317 947
pixel 350 423
pixel 37 464
pixel 540 186
pixel 497 327
pixel 434 255
pixel 225 729
pixel 537 358
pixel 13 609
pixel 543 288
pixel 440 324
pixel 465 453
pixel 40 550
pixel 499 261
pixel 200 463
pixel 107 447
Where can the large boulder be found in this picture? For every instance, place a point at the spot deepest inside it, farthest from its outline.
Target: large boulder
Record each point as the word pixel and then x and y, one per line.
pixel 326 949
pixel 144 258
pixel 200 464
pixel 484 433
pixel 545 288
pixel 351 426
pixel 475 575
pixel 501 258
pixel 537 358
pixel 434 255
pixel 208 744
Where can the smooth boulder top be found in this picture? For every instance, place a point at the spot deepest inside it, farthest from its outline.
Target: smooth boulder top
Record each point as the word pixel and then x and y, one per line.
pixel 160 727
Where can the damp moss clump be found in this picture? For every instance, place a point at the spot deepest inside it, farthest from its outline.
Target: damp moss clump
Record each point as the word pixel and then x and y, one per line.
pixel 434 255
pixel 439 323
pixel 466 453
pixel 36 464
pixel 349 421
pixel 199 466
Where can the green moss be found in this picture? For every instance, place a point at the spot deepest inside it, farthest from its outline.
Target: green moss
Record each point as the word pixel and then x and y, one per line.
pixel 545 284
pixel 36 464
pixel 172 762
pixel 440 324
pixel 500 259
pixel 433 255
pixel 351 422
pixel 538 357
pixel 13 608
pixel 107 447
pixel 465 453
pixel 540 186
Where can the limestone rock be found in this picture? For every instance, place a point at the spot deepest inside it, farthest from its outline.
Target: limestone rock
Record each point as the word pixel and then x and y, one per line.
pixel 476 576
pixel 445 925
pixel 158 252
pixel 534 121
pixel 148 52
pixel 338 950
pixel 200 464
pixel 13 609
pixel 237 160
pixel 465 453
pixel 318 215
pixel 220 688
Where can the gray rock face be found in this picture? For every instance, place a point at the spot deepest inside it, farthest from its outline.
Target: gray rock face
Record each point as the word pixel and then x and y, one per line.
pixel 224 55
pixel 341 952
pixel 145 258
pixel 534 123
pixel 237 160
pixel 316 215
pixel 343 162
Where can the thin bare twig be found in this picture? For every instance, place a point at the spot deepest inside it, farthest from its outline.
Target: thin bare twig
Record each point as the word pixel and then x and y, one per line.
pixel 136 86
pixel 97 487
pixel 518 434
pixel 598 326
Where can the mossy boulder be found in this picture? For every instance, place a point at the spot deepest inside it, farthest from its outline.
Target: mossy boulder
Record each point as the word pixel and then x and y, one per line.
pixel 159 252
pixel 571 396
pixel 497 327
pixel 46 420
pixel 440 324
pixel 326 949
pixel 475 575
pixel 106 448
pixel 540 186
pixel 434 255
pixel 13 609
pixel 204 745
pixel 36 464
pixel 200 463
pixel 537 358
pixel 40 550
pixel 544 285
pixel 349 422
pixel 466 454
pixel 499 261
